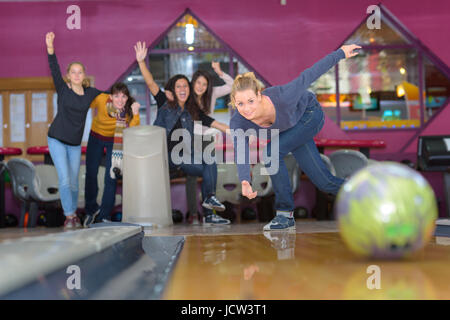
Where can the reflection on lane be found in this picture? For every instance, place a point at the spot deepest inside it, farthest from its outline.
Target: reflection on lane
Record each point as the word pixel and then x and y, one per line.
pixel 288 265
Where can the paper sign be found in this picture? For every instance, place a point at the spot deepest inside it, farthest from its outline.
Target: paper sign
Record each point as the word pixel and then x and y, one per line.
pixel 17 117
pixel 39 107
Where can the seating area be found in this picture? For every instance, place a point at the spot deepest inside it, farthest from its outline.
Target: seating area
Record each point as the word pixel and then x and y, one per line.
pixel 36 185
pixel 32 185
pixel 347 162
pixel 343 164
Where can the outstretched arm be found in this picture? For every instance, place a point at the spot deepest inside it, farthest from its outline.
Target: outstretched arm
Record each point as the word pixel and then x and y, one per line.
pixel 211 122
pixel 350 50
pixel 307 77
pixel 141 53
pixel 220 91
pixel 225 89
pixel 53 63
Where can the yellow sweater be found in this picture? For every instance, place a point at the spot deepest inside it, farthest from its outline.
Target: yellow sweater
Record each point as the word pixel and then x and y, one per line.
pixel 102 123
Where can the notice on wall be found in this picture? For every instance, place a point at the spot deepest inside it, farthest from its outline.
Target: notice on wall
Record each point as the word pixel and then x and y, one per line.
pixel 55 104
pixel 39 107
pixel 1 120
pixel 17 117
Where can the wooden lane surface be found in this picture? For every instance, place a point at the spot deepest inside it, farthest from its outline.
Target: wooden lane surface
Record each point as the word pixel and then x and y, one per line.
pixel 302 266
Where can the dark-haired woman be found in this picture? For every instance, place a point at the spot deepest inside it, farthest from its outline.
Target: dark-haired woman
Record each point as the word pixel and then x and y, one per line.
pixel 178 109
pixel 179 117
pixel 203 90
pixel 115 112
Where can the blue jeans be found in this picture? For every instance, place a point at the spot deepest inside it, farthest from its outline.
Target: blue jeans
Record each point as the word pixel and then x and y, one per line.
pixel 94 154
pixel 66 159
pixel 299 141
pixel 208 172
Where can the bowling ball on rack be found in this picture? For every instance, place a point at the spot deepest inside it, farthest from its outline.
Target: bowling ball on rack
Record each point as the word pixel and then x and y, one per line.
pixel 300 213
pixel 386 210
pixel 248 214
pixel 177 216
pixel 116 217
pixel 11 221
pixel 229 212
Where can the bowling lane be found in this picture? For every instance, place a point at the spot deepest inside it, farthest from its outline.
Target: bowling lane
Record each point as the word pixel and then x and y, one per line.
pixel 282 265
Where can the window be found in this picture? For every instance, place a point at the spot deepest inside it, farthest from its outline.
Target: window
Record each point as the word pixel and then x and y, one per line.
pixel 372 89
pixel 187 47
pixel 325 89
pixel 437 89
pixel 386 35
pixel 379 88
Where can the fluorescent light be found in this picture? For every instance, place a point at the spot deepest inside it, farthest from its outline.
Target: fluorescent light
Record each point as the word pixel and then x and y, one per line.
pixel 189 33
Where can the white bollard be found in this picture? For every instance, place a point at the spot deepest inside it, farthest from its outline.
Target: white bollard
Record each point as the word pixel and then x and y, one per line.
pixel 146 183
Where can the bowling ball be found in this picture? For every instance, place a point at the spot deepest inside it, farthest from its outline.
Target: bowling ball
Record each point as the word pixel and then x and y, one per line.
pixel 116 217
pixel 229 212
pixel 177 216
pixel 42 220
pixel 266 208
pixel 300 213
pixel 386 210
pixel 118 173
pixel 248 214
pixel 11 221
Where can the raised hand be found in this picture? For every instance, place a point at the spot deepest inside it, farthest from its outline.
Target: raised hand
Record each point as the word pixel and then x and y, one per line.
pixel 141 51
pixel 349 50
pixel 135 107
pixel 49 39
pixel 247 190
pixel 216 67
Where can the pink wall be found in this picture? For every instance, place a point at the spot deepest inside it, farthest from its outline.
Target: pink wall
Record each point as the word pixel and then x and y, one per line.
pixel 278 41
